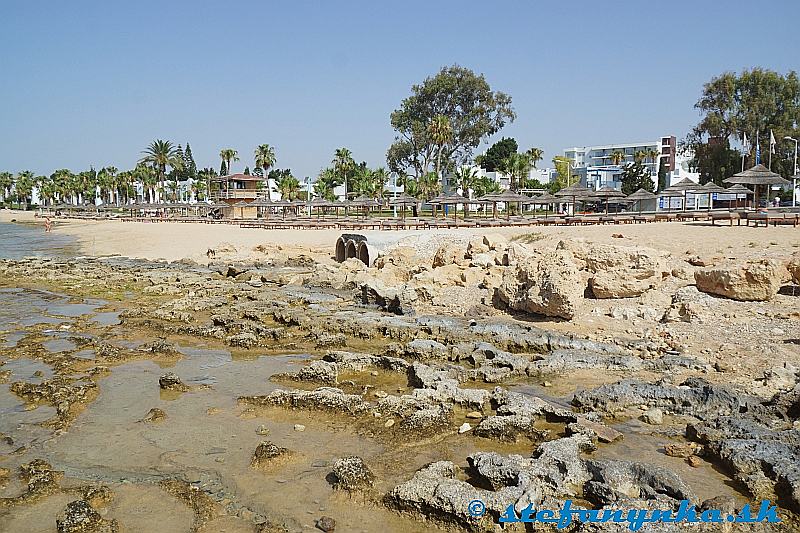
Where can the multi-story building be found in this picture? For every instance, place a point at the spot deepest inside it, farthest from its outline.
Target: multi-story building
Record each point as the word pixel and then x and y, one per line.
pixel 601 166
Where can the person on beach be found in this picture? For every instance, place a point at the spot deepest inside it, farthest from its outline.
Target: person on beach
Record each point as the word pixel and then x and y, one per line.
pixel 48 225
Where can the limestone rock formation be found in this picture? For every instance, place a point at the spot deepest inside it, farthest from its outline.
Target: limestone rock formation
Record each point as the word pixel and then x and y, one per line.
pixel 547 284
pixel 753 281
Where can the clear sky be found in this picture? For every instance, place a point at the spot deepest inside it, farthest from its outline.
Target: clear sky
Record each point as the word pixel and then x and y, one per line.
pixel 92 83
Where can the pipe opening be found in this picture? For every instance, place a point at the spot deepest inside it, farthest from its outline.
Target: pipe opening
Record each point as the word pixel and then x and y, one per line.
pixel 340 250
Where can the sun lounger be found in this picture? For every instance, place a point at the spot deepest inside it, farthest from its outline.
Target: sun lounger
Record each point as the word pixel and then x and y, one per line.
pixel 729 216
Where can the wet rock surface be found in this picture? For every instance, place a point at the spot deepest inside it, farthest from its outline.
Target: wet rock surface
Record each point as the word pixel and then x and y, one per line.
pixel 427 368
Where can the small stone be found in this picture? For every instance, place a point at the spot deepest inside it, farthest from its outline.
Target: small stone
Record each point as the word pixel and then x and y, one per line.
pixel 154 415
pixel 694 461
pixel 373 373
pixel 212 410
pixel 389 423
pixel 170 381
pixel 681 449
pixel 380 394
pixel 474 415
pixel 262 430
pixel 299 427
pixel 326 523
pixel 547 384
pixel 464 428
pixel 652 416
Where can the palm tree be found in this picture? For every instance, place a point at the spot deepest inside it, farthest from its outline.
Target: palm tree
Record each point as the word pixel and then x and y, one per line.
pixel 207 174
pixel 6 180
pixel 465 179
pixel 639 156
pixel 429 185
pixel 47 189
pixel 343 163
pixel 379 177
pixel 617 157
pixel 24 187
pixel 288 186
pixel 535 155
pixel 265 159
pixel 227 155
pixel 161 154
pixel 440 132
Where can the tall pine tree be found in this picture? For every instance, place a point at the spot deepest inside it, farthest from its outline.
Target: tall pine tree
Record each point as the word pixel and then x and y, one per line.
pixel 189 166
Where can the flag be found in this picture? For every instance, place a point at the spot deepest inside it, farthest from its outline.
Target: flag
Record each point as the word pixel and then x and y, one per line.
pixel 771 142
pixel 745 146
pixel 758 151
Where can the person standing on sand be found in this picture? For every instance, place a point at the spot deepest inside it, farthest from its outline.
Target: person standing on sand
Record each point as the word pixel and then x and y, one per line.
pixel 48 225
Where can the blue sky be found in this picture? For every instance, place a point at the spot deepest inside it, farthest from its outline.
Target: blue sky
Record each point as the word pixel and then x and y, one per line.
pixel 92 83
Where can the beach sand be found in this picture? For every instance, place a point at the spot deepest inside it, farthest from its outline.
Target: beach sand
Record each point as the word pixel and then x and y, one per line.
pixel 174 241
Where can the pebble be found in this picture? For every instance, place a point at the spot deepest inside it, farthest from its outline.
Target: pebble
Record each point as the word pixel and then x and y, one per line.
pixel 464 427
pixel 653 416
pixel 262 430
pixel 694 461
pixel 474 414
pixel 547 384
pixel 389 423
pixel 326 523
pixel 373 373
pixel 380 394
pixel 299 427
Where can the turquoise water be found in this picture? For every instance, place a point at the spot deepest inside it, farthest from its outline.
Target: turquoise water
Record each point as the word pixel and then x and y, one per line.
pixel 23 240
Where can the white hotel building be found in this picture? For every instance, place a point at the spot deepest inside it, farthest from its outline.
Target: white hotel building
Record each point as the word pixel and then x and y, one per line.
pixel 594 165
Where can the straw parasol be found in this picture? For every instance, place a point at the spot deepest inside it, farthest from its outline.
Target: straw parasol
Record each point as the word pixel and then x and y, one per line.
pixel 607 193
pixel 640 196
pixel 545 199
pixel 508 197
pixel 403 200
pixel 452 198
pixel 710 189
pixel 575 191
pixel 755 176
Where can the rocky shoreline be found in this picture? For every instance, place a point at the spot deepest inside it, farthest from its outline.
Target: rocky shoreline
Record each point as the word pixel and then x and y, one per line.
pixel 538 358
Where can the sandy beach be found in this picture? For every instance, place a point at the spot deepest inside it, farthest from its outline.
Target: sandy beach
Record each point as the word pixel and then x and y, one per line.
pixel 174 241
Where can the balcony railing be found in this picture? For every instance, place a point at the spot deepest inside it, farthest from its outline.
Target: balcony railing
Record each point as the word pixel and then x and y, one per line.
pixel 239 194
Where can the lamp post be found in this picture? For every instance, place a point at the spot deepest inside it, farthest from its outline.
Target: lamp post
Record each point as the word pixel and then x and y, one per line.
pixel 393 175
pixel 794 175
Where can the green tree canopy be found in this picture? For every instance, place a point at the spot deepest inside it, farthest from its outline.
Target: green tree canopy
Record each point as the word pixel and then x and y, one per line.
pixel 491 161
pixel 473 109
pixel 636 176
pixel 752 103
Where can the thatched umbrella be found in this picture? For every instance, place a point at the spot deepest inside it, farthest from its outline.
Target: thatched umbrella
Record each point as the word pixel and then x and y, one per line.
pixel 403 200
pixel 258 203
pixel 320 204
pixel 666 193
pixel 755 176
pixel 365 202
pixel 545 199
pixel 575 191
pixel 681 187
pixel 739 189
pixel 640 196
pixel 710 189
pixel 451 199
pixel 608 192
pixel 509 197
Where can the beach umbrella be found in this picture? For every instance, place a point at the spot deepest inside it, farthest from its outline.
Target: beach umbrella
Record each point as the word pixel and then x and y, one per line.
pixel 640 196
pixel 666 193
pixel 508 196
pixel 709 188
pixel 739 189
pixel 755 176
pixel 319 204
pixel 453 199
pixel 607 193
pixel 575 191
pixel 545 199
pixel 403 200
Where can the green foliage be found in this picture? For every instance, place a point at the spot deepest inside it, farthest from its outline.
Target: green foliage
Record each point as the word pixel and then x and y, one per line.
pixel 492 160
pixel 757 100
pixel 562 165
pixel 227 155
pixel 189 166
pixel 484 185
pixel 473 110
pixel 636 176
